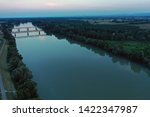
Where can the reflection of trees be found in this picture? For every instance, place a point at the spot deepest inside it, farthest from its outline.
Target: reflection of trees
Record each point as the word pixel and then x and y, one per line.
pixel 147 71
pixel 138 68
pixel 78 35
pixel 122 61
pixel 89 47
pixel 98 51
pixel 135 67
pixel 114 59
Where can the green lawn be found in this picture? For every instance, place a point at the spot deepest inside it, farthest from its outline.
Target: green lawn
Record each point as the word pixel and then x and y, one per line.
pixel 135 50
pixel 131 46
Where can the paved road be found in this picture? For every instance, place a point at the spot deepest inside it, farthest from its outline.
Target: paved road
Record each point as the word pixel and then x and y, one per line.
pixel 4 97
pixel 3 93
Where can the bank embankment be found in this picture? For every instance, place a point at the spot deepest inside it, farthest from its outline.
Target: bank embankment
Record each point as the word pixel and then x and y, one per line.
pixel 8 86
pixel 121 40
pixel 18 71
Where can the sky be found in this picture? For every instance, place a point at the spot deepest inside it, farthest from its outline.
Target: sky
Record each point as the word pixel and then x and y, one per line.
pixel 61 8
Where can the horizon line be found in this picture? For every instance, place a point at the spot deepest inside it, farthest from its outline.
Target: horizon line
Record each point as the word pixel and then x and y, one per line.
pixel 90 16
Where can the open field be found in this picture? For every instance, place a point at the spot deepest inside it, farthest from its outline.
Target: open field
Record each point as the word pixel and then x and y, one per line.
pixel 106 21
pixel 130 45
pixel 143 26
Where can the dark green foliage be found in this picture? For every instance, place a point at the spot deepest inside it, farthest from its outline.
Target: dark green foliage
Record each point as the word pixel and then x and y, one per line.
pixel 21 75
pixel 99 32
pixel 120 39
pixel 27 90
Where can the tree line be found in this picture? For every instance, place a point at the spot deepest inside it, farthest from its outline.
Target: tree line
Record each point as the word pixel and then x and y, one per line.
pixel 121 39
pixel 20 74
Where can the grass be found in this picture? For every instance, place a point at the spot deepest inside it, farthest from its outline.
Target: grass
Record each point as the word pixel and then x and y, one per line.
pixel 109 22
pixel 144 26
pixel 132 46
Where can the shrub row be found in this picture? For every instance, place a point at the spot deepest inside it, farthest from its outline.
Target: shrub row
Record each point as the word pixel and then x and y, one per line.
pixel 20 74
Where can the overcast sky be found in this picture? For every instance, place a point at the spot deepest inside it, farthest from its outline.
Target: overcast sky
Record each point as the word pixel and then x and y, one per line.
pixel 39 8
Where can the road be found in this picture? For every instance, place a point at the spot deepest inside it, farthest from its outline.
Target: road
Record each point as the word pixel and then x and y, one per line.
pixel 3 93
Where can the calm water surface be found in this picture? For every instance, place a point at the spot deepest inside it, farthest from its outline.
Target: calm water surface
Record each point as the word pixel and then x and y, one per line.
pixel 67 70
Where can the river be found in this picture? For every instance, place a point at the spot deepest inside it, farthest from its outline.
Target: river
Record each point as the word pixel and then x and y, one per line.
pixel 64 69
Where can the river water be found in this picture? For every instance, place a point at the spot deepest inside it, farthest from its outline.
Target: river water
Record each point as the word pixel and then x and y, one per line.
pixel 64 69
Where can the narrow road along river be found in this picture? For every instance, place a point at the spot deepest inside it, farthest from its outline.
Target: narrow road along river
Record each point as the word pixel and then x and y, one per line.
pixel 2 89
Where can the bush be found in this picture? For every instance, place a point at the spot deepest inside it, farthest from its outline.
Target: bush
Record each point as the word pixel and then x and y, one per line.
pixel 27 90
pixel 20 74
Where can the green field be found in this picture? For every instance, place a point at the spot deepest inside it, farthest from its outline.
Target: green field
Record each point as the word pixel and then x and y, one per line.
pixel 131 46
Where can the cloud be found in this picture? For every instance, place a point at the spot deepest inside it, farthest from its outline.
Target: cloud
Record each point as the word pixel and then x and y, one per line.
pixel 53 4
pixel 75 5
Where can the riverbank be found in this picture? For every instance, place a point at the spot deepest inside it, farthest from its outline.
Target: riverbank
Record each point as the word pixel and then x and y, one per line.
pixel 19 73
pixel 122 40
pixel 1 43
pixel 73 70
pixel 2 50
pixel 7 81
pixel 7 86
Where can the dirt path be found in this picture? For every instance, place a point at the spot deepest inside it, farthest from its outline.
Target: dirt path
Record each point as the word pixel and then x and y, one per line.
pixel 3 93
pixel 7 85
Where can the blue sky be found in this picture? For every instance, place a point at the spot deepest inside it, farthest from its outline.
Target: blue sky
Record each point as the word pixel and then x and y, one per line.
pixel 52 8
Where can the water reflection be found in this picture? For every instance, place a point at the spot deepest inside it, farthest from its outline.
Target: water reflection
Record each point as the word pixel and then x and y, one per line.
pixel 66 69
pixel 28 30
pixel 135 67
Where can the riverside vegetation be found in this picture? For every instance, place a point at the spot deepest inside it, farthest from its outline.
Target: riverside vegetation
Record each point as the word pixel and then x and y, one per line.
pixel 125 40
pixel 20 74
